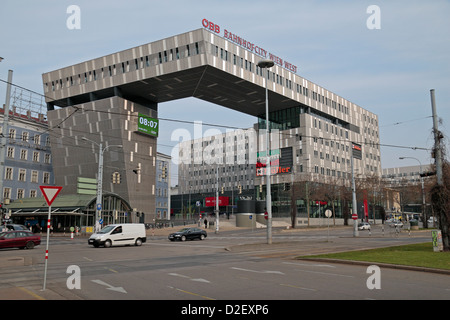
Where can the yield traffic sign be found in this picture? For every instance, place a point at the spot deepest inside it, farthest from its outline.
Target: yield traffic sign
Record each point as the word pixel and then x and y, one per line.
pixel 50 193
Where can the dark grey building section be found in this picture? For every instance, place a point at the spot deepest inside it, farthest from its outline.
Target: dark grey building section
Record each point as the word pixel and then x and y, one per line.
pixel 111 121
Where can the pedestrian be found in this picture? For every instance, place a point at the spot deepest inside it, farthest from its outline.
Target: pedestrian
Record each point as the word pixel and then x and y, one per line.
pixel 206 223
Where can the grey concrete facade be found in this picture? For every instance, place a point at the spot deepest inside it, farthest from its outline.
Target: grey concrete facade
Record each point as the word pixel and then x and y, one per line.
pixel 74 157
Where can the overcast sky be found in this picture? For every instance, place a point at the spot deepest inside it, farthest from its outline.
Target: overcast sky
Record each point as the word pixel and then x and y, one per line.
pixel 388 71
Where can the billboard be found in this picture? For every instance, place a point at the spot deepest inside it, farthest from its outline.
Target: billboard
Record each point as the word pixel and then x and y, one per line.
pixel 280 162
pixel 356 151
pixel 211 201
pixel 148 125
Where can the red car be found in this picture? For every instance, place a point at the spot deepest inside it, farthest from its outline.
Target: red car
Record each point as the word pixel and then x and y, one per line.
pixel 19 239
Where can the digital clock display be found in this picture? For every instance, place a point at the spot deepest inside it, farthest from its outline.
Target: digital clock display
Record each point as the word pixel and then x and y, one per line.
pixel 148 125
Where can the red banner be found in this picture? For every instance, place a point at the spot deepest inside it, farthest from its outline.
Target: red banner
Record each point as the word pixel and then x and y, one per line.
pixel 211 201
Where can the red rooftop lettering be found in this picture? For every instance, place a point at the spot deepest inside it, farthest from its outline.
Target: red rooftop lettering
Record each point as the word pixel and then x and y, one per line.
pixel 211 26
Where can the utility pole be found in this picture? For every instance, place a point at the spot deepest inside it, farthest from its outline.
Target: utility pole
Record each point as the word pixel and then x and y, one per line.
pixel 437 141
pixel 5 134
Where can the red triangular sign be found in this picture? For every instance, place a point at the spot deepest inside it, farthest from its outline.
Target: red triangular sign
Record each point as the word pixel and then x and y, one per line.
pixel 50 193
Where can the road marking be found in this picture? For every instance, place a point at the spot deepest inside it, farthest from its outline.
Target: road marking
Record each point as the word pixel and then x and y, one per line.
pixel 178 275
pixel 31 293
pixel 109 287
pixel 112 270
pixel 311 265
pixel 85 258
pixel 327 273
pixel 187 277
pixel 192 293
pixel 248 270
pixel 296 287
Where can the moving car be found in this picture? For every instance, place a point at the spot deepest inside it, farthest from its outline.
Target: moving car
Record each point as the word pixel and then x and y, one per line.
pixel 119 235
pixel 19 239
pixel 363 226
pixel 188 234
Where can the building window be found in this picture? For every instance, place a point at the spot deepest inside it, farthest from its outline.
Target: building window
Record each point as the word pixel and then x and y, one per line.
pixel 46 178
pixel 7 193
pixel 12 134
pixel 20 193
pixel 33 193
pixel 10 152
pixel 23 154
pixel 9 173
pixel 35 156
pixel 25 136
pixel 34 176
pixel 37 139
pixel 47 158
pixel 22 175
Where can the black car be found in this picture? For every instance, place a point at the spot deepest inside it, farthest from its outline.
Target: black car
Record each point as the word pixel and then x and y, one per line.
pixel 188 234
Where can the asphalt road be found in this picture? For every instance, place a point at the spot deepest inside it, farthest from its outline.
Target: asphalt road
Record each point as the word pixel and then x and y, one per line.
pixel 232 265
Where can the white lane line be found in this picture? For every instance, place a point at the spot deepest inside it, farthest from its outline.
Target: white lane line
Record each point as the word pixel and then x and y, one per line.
pixel 187 277
pixel 256 271
pixel 311 265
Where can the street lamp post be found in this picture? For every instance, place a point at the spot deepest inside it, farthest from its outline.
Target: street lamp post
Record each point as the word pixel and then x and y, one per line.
pixel 266 64
pixel 98 208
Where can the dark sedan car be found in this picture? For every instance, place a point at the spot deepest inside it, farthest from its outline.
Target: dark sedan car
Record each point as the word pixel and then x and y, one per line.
pixel 188 234
pixel 19 239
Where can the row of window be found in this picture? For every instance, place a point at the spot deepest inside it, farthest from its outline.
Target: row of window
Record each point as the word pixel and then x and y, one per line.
pixel 126 66
pixel 22 175
pixel 24 155
pixel 272 76
pixel 188 50
pixel 20 193
pixel 25 137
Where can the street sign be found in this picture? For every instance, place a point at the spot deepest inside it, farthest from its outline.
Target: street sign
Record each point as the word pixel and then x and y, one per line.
pixel 328 213
pixel 354 216
pixel 50 193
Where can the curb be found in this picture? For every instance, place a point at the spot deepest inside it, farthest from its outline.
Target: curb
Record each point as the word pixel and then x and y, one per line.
pixel 384 265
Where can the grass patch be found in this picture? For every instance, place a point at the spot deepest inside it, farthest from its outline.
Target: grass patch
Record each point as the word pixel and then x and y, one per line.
pixel 419 255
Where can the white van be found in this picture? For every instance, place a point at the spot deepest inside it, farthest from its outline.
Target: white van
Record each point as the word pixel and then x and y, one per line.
pixel 119 235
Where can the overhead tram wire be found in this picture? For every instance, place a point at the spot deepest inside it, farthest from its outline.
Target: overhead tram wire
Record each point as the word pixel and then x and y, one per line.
pixel 221 126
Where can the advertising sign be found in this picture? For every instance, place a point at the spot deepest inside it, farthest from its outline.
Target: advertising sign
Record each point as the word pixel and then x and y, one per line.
pixel 280 162
pixel 211 201
pixel 356 151
pixel 436 237
pixel 148 125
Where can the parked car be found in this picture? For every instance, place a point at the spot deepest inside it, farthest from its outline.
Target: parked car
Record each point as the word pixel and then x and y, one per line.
pixel 188 234
pixel 19 239
pixel 363 226
pixel 10 227
pixel 431 220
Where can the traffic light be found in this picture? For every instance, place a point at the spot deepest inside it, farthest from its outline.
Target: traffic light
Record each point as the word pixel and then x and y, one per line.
pixel 116 177
pixel 223 190
pixel 240 189
pixel 164 172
